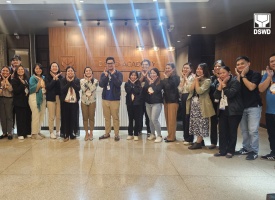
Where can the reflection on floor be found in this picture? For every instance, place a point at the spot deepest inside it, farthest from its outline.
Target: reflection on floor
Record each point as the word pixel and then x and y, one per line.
pixel 105 169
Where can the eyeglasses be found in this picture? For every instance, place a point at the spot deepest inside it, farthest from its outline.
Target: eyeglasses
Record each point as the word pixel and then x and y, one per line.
pixel 110 63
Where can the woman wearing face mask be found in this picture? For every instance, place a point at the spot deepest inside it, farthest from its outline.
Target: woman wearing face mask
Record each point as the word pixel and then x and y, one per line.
pixel 153 98
pixel 37 100
pixel 134 104
pixel 53 99
pixel 201 106
pixel 230 111
pixel 186 79
pixel 20 84
pixel 69 97
pixel 6 103
pixel 88 101
pixel 171 100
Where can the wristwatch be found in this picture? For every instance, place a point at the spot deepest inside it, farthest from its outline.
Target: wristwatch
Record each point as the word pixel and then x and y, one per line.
pixel 243 76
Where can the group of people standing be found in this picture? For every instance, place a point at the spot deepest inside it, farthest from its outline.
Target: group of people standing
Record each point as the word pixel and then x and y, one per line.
pixel 222 100
pixel 25 99
pixel 228 101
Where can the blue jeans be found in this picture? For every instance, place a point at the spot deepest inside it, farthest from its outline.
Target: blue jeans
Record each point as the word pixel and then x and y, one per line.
pixel 249 127
pixel 153 112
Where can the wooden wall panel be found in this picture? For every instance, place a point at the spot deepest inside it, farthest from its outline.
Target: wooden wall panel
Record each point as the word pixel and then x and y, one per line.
pixel 241 40
pixel 68 47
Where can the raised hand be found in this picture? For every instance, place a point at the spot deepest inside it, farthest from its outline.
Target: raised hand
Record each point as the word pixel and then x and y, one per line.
pixel 237 73
pixel 105 72
pixel 245 70
pixel 269 72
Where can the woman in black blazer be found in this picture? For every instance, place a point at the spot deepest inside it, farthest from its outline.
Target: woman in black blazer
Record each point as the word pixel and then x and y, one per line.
pixel 69 97
pixel 20 85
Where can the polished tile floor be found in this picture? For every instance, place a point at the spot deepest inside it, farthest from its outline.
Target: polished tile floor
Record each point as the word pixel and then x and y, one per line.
pixel 105 169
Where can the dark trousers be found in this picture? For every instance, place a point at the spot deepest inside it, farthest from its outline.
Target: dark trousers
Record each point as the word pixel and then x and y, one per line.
pixel 214 128
pixel 69 119
pixel 270 126
pixel 134 113
pixel 147 122
pixel 23 120
pixel 228 129
pixel 185 120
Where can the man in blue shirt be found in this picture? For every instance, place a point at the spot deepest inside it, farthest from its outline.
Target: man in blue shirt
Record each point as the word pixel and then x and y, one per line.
pixel 268 85
pixel 111 80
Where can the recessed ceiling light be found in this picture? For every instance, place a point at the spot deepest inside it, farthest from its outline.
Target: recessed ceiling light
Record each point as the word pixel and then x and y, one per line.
pixel 178 41
pixel 81 1
pixel 154 0
pixel 8 1
pixel 203 27
pixel 188 35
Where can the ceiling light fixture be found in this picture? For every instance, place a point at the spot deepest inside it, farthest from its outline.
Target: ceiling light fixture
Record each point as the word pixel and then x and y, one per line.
pixel 188 35
pixel 81 1
pixel 203 27
pixel 140 48
pixel 171 48
pixel 155 48
pixel 8 1
pixel 178 41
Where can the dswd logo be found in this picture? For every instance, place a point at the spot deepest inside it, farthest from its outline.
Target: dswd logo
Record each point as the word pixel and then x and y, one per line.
pixel 262 23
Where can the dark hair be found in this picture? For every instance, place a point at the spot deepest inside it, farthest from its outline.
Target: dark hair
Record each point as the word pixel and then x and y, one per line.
pixel 158 74
pixel 69 67
pixel 204 69
pixel 173 66
pixel 17 57
pixel 40 66
pixel 9 72
pixel 87 67
pixel 243 58
pixel 110 58
pixel 133 72
pixel 272 55
pixel 57 66
pixel 219 62
pixel 25 77
pixel 190 65
pixel 146 60
pixel 226 68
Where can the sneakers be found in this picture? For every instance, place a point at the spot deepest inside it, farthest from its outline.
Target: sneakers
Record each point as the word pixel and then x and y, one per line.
pixel 135 138
pixel 66 139
pixel 57 134
pixel 195 146
pixel 117 138
pixel 158 139
pixel 29 136
pixel 242 151
pixel 251 156
pixel 20 137
pixel 268 157
pixel 151 137
pixel 130 137
pixel 53 136
pixel 37 137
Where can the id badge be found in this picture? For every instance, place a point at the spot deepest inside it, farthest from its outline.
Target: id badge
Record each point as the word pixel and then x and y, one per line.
pixel 88 93
pixel 195 99
pixel 26 91
pixel 108 87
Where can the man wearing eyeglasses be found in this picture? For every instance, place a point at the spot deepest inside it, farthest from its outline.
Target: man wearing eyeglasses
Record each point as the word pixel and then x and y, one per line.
pixel 111 80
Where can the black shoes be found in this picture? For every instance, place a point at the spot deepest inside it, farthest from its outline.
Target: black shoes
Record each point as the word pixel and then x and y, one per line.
pixel 251 156
pixel 212 146
pixel 242 151
pixel 195 146
pixel 219 154
pixel 269 157
pixel 10 137
pixel 105 136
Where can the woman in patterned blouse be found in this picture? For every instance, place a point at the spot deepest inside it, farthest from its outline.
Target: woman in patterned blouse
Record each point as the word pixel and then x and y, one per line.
pixel 88 101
